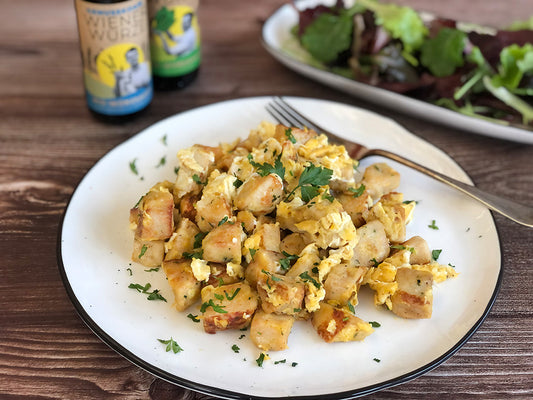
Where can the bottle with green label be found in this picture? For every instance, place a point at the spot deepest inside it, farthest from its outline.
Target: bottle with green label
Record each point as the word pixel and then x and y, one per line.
pixel 115 52
pixel 174 43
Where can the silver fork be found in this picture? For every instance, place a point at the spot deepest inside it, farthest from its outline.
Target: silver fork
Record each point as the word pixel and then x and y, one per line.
pixel 285 114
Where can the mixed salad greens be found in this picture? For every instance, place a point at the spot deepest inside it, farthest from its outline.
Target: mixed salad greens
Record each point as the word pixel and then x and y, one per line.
pixel 472 70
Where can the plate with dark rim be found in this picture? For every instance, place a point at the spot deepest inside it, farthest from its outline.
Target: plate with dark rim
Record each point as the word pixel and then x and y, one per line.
pixel 279 42
pixel 94 258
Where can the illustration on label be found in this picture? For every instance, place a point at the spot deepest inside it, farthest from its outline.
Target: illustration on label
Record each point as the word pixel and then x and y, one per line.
pixel 175 43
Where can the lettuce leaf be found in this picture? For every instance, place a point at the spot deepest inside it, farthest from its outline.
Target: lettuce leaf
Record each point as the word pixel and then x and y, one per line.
pixel 401 23
pixel 515 62
pixel 443 53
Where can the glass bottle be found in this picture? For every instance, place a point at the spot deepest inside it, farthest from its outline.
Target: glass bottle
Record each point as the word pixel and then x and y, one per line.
pixel 115 52
pixel 174 42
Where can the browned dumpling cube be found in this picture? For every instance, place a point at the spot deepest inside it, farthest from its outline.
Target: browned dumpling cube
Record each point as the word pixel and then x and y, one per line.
pixel 293 243
pixel 280 294
pixel 263 260
pixel 182 240
pixel 260 194
pixel 356 205
pixel 247 220
pixel 342 284
pixel 187 206
pixel 419 250
pixel 380 179
pixel 270 331
pixel 223 244
pixel 220 276
pixel 154 216
pixel 228 306
pixel 300 136
pixel 338 325
pixel 183 283
pixel 210 210
pixel 149 253
pixel 373 245
pixel 414 297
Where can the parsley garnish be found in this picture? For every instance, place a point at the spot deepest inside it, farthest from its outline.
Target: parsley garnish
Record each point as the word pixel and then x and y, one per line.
pixel 133 167
pixel 129 270
pixel 197 179
pixel 154 295
pixel 219 297
pixel 286 262
pixel 210 303
pixel 376 263
pixel 198 239
pixel 433 226
pixel 194 318
pixel 402 247
pixel 294 364
pixel 306 278
pixel 176 170
pixel 359 191
pixel 164 140
pixel 290 136
pixel 223 220
pixel 280 362
pixel 327 196
pixel 237 183
pixel 152 269
pixel 162 162
pixel 351 308
pixel 453 266
pixel 171 345
pixel 374 324
pixel 410 201
pixel 310 180
pixel 196 254
pixel 143 250
pixel 138 202
pixel 260 360
pixel 232 295
pixel 235 348
pixel 266 169
pixel 435 254
pixel 377 360
pixel 252 252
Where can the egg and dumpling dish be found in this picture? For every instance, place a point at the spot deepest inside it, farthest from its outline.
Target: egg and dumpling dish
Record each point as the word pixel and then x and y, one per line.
pixel 280 227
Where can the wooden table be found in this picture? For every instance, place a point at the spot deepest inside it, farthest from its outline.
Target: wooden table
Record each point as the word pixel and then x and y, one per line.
pixel 48 141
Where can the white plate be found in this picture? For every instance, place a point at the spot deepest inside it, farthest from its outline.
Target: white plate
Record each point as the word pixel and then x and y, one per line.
pixel 95 245
pixel 276 32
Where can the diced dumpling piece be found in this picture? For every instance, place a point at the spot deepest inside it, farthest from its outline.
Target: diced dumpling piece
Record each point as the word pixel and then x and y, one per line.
pixel 195 163
pixel 414 297
pixel 228 306
pixel 220 275
pixel 342 284
pixel 263 260
pixel 338 325
pixel 183 283
pixel 187 206
pixel 419 250
pixel 149 253
pixel 380 179
pixel 270 332
pixel 182 240
pixel 356 205
pixel 280 294
pixel 293 243
pixel 223 244
pixel 153 218
pixel 373 245
pixel 260 194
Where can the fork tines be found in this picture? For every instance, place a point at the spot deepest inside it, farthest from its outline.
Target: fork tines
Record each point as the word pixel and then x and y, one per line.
pixel 282 112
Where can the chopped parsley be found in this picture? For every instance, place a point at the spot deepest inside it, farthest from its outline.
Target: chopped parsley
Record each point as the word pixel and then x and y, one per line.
pixel 197 179
pixel 294 364
pixel 260 360
pixel 435 254
pixel 216 308
pixel 327 196
pixel 376 263
pixel 172 345
pixel 267 169
pixel 223 220
pixel 193 318
pixel 280 361
pixel 242 336
pixel 306 278
pixel 402 247
pixel 152 269
pixel 290 136
pixel 433 226
pixel 162 162
pixel 232 295
pixel 154 295
pixel 450 265
pixel 377 360
pixel 286 262
pixel 359 191
pixel 198 239
pixel 351 308
pixel 164 140
pixel 252 252
pixel 129 270
pixel 176 170
pixel 235 348
pixel 133 167
pixel 311 179
pixel 196 254
pixel 374 324
pixel 143 250
pixel 237 183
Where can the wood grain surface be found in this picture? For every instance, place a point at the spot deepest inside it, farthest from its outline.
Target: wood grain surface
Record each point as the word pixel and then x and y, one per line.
pixel 48 141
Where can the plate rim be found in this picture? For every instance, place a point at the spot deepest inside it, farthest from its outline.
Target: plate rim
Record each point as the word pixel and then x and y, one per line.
pixel 448 118
pixel 228 394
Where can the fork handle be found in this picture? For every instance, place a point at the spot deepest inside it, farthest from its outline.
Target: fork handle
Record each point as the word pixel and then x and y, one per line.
pixel 517 212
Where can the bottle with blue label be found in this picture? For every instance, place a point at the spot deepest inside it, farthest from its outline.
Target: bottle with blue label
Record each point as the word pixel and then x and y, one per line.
pixel 174 42
pixel 115 52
